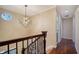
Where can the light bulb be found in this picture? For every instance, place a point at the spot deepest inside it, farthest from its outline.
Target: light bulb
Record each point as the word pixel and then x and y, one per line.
pixel 66 13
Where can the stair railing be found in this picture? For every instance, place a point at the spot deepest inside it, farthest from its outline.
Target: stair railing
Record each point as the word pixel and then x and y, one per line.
pixel 36 44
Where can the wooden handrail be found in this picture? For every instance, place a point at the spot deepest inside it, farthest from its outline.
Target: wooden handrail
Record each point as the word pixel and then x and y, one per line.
pixel 8 42
pixel 2 43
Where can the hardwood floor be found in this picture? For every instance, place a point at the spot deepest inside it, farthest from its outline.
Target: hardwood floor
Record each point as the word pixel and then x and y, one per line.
pixel 66 46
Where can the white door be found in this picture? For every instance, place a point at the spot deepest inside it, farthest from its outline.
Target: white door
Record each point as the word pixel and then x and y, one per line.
pixel 67 28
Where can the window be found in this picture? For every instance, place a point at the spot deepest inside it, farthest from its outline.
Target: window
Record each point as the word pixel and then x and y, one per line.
pixel 6 16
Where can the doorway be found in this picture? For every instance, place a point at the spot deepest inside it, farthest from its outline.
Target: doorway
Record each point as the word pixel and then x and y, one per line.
pixel 67 28
pixel 65 43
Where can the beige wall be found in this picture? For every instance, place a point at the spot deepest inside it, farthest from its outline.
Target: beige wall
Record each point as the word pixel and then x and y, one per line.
pixel 12 29
pixel 77 30
pixel 67 28
pixel 45 21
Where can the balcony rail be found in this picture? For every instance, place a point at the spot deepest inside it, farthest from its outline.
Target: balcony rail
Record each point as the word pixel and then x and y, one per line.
pixel 36 44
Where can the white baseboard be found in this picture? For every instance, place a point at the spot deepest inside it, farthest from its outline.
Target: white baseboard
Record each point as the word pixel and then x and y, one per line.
pixel 67 38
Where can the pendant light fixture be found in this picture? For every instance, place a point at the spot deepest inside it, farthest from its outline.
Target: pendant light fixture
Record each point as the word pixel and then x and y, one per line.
pixel 25 12
pixel 25 19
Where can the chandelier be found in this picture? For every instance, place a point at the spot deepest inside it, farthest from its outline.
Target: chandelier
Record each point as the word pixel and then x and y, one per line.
pixel 25 19
pixel 25 12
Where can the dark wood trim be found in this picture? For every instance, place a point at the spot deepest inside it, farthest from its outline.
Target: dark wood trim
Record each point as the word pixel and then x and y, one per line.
pixel 16 47
pixel 22 47
pixel 8 42
pixel 8 48
pixel 27 46
pixel 2 43
pixel 45 34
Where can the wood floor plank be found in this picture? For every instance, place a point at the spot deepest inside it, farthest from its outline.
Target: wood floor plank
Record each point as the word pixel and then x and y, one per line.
pixel 66 46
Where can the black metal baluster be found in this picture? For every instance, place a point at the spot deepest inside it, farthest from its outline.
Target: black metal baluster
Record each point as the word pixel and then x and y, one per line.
pixel 37 48
pixel 31 46
pixel 8 48
pixel 16 48
pixel 23 44
pixel 22 47
pixel 27 46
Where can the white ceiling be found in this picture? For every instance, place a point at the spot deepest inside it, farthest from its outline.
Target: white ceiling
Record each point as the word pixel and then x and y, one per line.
pixel 30 10
pixel 66 11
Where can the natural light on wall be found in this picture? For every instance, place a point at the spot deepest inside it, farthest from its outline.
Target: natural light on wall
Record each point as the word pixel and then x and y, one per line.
pixel 6 16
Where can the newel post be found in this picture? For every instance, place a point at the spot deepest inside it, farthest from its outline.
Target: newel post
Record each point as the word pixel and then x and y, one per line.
pixel 45 34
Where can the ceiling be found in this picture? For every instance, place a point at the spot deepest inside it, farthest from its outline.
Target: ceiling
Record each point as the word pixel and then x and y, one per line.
pixel 30 10
pixel 66 11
